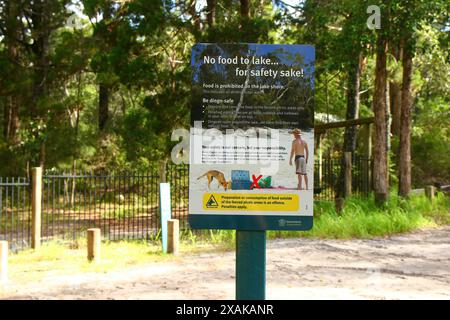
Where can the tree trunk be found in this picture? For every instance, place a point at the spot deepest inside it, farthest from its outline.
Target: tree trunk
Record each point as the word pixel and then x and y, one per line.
pixel 396 104
pixel 11 109
pixel 245 9
pixel 350 135
pixel 380 170
pixel 11 120
pixel 211 12
pixel 104 88
pixel 103 106
pixel 40 48
pixel 395 97
pixel 354 80
pixel 405 126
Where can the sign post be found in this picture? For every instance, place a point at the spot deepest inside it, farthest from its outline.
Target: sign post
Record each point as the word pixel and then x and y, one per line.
pixel 251 147
pixel 250 265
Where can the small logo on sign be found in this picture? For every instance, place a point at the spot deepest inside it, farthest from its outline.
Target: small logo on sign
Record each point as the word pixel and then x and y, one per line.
pixel 212 202
pixel 282 223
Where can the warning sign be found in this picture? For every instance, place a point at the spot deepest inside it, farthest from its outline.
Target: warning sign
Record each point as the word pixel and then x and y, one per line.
pixel 251 202
pixel 212 202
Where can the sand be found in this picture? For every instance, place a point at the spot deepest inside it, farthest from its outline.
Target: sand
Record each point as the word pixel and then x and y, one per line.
pixel 408 266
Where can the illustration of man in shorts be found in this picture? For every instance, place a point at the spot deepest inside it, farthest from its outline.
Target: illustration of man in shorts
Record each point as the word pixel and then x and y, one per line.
pixel 300 151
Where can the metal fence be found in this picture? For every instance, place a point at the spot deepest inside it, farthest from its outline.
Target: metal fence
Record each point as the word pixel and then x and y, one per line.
pixel 178 177
pixel 15 212
pixel 125 205
pixel 327 174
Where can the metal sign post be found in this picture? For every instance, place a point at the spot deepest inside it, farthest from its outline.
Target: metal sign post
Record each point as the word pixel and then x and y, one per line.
pixel 250 265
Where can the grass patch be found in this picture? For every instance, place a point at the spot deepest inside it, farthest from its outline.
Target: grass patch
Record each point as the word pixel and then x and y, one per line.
pixel 64 257
pixel 362 219
pixel 218 239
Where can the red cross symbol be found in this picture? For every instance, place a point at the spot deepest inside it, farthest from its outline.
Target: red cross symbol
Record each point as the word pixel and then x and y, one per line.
pixel 255 182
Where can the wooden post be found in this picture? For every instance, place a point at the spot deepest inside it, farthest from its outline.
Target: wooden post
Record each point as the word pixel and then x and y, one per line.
pixel 173 230
pixel 3 262
pixel 93 245
pixel 429 192
pixel 162 171
pixel 36 195
pixel 165 211
pixel 348 174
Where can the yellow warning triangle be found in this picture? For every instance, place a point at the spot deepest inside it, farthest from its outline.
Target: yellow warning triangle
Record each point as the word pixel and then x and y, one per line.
pixel 212 202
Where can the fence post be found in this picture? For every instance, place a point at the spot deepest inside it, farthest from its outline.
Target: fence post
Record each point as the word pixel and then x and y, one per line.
pixel 36 197
pixel 173 230
pixel 348 174
pixel 163 171
pixel 3 262
pixel 93 244
pixel 429 192
pixel 165 211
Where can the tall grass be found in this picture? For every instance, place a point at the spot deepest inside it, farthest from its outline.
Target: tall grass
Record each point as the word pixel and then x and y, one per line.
pixel 360 218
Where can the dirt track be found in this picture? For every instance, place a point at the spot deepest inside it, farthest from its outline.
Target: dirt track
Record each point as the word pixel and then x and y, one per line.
pixel 411 266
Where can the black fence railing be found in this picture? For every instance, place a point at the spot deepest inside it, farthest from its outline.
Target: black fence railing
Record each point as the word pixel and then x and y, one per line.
pixel 15 212
pixel 328 179
pixel 125 205
pixel 178 177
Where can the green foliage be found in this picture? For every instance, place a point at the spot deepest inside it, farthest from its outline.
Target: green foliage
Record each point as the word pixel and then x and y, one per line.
pixel 362 219
pixel 431 142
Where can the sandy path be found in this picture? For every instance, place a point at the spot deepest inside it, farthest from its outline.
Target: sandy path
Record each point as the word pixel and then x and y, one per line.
pixel 411 266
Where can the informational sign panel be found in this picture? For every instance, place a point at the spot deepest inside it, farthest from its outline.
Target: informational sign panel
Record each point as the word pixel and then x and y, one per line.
pixel 252 137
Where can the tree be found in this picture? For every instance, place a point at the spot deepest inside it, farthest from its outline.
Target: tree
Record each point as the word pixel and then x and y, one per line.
pixel 395 96
pixel 405 122
pixel 11 107
pixel 380 170
pixel 409 20
pixel 104 37
pixel 27 30
pixel 245 9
